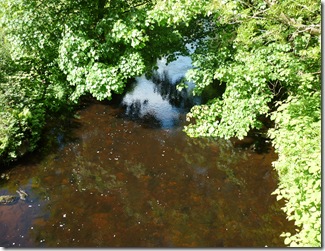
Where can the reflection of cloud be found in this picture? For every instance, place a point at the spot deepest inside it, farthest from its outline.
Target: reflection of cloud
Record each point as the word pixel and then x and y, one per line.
pixel 158 97
pixel 143 100
pixel 174 70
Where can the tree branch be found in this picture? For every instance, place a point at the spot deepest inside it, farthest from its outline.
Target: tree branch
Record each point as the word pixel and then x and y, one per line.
pixel 312 29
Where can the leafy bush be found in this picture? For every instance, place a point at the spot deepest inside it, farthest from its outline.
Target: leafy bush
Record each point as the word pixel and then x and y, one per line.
pixel 268 55
pixel 297 139
pixel 22 116
pixel 26 99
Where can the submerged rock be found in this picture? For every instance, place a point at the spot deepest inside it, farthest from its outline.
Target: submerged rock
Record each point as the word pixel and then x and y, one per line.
pixel 11 199
pixel 8 199
pixel 22 194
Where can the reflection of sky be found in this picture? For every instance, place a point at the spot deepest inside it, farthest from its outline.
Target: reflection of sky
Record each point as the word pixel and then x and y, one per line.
pixel 176 69
pixel 151 102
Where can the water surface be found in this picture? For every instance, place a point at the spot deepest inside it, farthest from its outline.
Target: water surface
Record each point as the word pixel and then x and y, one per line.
pixel 127 176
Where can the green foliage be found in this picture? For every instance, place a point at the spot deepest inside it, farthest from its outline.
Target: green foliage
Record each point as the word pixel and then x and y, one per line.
pixel 174 12
pixel 297 138
pixel 268 55
pixel 22 116
pixel 25 104
pixel 78 59
pixel 30 87
pixel 57 51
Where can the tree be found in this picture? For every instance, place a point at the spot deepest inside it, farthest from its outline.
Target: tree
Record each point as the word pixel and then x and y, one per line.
pixel 21 113
pixel 99 46
pixel 260 57
pixel 65 49
pixel 267 54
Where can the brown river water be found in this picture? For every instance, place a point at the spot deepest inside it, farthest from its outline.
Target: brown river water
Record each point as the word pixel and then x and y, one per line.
pixel 126 175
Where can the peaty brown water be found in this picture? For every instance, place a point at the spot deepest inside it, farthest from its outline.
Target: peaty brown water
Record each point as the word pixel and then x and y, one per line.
pixel 127 176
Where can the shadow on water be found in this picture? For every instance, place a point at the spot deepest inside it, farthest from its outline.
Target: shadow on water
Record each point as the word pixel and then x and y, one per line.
pixel 127 176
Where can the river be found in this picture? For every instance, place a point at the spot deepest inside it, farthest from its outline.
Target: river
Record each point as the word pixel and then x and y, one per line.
pixel 126 175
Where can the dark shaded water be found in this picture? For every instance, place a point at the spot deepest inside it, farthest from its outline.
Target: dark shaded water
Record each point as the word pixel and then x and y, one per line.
pixel 127 176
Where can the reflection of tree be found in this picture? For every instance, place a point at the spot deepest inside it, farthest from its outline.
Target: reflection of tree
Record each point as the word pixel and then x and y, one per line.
pixel 139 110
pixel 87 175
pixel 168 91
pixel 227 156
pixel 154 188
pixel 135 113
pixel 147 208
pixel 137 169
pixel 134 110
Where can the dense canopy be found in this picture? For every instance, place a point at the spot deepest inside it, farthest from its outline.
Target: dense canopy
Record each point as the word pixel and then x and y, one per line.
pixel 259 59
